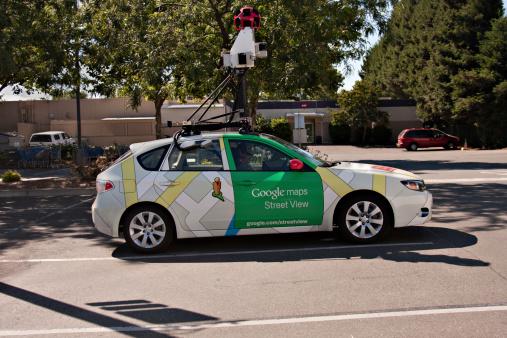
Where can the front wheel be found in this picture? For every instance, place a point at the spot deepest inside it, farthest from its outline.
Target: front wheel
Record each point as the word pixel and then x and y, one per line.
pixel 450 146
pixel 148 230
pixel 364 218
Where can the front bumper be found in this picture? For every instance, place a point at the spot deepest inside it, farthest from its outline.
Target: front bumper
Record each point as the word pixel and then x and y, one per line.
pixel 424 215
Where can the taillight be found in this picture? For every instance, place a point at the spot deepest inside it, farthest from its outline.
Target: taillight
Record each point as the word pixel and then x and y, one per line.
pixel 103 186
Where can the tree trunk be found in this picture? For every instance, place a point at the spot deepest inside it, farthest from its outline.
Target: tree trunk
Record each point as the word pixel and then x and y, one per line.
pixel 158 117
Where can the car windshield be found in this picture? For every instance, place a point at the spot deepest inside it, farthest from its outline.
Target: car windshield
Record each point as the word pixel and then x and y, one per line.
pixel 300 151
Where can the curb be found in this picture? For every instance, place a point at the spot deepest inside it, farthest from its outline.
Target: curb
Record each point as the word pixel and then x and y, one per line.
pixel 47 192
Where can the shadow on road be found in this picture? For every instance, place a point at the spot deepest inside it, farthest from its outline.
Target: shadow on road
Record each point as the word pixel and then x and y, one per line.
pixel 100 320
pixel 401 247
pixel 455 203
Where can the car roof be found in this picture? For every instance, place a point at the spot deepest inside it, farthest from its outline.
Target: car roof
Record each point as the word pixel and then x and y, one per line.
pixel 149 145
pixel 49 133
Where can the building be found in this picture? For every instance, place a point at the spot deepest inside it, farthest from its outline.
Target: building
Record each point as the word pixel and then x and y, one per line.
pixel 109 121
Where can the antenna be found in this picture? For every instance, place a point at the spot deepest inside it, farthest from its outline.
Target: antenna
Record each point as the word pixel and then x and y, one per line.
pixel 236 63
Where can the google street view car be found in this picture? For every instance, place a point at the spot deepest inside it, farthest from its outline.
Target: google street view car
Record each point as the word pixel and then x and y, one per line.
pixel 232 184
pixel 198 184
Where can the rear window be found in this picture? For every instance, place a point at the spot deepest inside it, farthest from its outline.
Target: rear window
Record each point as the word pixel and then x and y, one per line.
pixel 152 159
pixel 40 138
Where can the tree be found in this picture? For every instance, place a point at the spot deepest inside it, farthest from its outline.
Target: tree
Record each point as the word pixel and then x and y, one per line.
pixel 359 109
pixel 31 36
pixel 481 93
pixel 306 40
pixel 427 44
pixel 131 50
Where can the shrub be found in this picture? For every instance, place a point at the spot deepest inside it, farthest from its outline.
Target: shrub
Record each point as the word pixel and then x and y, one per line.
pixel 11 176
pixel 277 126
pixel 280 127
pixel 339 130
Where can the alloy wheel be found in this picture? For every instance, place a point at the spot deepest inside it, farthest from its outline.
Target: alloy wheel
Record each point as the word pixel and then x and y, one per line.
pixel 364 219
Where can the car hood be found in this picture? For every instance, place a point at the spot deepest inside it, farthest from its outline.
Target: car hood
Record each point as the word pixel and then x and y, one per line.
pixel 375 169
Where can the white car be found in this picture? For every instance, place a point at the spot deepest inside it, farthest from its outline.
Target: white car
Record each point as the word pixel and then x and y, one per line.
pixel 236 184
pixel 50 138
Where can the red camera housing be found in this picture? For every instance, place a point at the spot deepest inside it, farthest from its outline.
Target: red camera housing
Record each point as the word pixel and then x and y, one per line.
pixel 247 16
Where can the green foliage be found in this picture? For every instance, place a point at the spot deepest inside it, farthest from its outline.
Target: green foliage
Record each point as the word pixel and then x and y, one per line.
pixel 279 127
pixel 131 50
pixel 305 41
pixel 359 110
pixel 339 129
pixel 10 176
pixel 31 36
pixel 448 56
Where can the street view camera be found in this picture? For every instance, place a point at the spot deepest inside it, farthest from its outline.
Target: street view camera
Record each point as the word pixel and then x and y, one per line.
pixel 236 63
pixel 245 50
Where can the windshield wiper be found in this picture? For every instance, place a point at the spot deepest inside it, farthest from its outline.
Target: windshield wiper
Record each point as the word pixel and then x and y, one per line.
pixel 328 164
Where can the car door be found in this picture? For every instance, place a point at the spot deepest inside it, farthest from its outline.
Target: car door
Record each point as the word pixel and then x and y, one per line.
pixel 194 186
pixel 267 193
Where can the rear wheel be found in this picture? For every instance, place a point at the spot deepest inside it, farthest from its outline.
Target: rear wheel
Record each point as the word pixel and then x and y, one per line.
pixel 412 147
pixel 364 218
pixel 148 230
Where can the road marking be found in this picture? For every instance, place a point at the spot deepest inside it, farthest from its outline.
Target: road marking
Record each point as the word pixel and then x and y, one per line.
pixel 465 180
pixel 208 254
pixel 260 322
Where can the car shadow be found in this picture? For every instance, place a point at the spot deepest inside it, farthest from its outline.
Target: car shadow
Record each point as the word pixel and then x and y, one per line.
pixel 405 245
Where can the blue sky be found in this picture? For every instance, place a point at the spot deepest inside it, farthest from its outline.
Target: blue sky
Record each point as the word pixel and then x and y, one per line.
pixel 350 77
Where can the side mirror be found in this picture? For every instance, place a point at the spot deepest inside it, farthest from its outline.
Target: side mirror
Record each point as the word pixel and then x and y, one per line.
pixel 296 164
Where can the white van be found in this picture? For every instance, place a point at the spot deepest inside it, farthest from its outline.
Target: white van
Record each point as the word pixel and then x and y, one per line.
pixel 50 138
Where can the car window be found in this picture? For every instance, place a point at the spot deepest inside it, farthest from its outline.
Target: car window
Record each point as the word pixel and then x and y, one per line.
pixel 65 136
pixel 208 158
pixel 411 133
pixel 428 133
pixel 57 137
pixel 151 160
pixel 255 156
pixel 40 138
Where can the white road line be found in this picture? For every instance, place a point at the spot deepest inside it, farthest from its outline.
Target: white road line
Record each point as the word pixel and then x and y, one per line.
pixel 465 180
pixel 208 254
pixel 259 322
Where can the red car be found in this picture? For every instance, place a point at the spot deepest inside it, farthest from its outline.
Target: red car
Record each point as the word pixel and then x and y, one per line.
pixel 414 138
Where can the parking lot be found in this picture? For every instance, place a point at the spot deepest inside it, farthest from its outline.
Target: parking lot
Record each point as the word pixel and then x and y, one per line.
pixel 58 276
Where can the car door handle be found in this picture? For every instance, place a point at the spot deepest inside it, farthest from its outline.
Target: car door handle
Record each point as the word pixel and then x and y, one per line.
pixel 169 183
pixel 247 182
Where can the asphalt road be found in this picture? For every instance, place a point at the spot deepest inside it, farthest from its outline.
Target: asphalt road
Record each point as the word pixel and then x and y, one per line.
pixel 59 277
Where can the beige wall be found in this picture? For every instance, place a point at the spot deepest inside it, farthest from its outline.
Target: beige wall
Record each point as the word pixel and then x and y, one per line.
pixel 104 133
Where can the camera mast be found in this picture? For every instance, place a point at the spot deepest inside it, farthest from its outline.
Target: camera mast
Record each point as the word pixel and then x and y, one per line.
pixel 236 63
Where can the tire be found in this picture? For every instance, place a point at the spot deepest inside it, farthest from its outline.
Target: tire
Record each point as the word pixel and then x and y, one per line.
pixel 450 146
pixel 148 230
pixel 356 225
pixel 412 147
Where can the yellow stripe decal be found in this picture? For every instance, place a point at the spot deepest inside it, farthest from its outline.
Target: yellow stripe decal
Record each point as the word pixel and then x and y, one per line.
pixel 222 146
pixel 129 181
pixel 379 184
pixel 172 192
pixel 334 182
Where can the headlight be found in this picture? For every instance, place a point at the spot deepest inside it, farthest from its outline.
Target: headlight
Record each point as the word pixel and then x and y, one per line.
pixel 417 185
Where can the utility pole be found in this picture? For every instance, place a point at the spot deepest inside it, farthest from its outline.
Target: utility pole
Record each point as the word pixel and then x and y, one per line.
pixel 78 82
